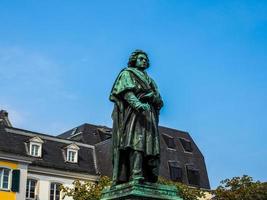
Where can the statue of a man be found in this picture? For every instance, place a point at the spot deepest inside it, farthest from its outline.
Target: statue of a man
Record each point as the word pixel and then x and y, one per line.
pixel 136 141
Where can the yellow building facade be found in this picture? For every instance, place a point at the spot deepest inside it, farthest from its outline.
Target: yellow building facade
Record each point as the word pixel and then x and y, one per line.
pixel 6 168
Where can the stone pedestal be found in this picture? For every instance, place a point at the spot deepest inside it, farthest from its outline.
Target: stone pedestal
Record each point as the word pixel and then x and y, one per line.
pixel 140 191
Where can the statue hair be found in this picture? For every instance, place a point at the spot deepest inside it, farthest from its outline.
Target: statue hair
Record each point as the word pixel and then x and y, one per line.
pixel 133 58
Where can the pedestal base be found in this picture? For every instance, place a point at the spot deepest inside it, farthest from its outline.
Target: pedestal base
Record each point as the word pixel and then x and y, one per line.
pixel 140 191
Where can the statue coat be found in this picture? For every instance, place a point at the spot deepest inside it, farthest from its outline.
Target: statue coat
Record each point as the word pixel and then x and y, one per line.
pixel 133 129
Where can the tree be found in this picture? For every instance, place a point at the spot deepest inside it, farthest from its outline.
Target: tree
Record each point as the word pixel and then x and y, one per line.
pixel 86 190
pixel 92 191
pixel 185 191
pixel 241 188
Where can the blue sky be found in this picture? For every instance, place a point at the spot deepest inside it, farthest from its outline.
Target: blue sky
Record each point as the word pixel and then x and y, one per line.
pixel 59 59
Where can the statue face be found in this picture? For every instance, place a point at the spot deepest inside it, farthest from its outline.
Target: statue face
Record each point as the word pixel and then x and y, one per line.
pixel 141 61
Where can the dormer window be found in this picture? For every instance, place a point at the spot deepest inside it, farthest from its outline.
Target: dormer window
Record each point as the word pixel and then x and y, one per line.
pixel 35 146
pixel 193 175
pixel 74 131
pixel 35 150
pixel 104 134
pixel 186 145
pixel 169 141
pixel 72 153
pixel 72 157
pixel 175 171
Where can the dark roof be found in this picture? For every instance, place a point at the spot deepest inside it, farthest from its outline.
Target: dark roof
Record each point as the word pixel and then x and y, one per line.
pixel 84 127
pixel 87 133
pixel 14 141
pixel 175 154
pixel 179 134
pixel 94 134
pixel 96 139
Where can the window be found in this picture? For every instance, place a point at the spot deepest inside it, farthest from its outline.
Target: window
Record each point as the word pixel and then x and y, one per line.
pixel 193 175
pixel 74 131
pixel 55 191
pixel 31 189
pixel 175 171
pixel 71 156
pixel 104 136
pixel 5 178
pixel 169 141
pixel 186 145
pixel 35 146
pixel 71 153
pixel 35 149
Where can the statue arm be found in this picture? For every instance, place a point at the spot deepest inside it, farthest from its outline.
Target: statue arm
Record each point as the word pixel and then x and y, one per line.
pixel 158 101
pixel 134 102
pixel 156 98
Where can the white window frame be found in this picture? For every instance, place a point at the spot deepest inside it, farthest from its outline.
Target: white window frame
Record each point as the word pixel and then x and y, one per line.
pixel 29 191
pixel 35 152
pixel 72 148
pixel 35 141
pixel 34 144
pixel 2 168
pixel 75 157
pixel 54 195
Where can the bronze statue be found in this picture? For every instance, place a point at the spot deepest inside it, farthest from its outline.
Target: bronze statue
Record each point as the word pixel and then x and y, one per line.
pixel 136 141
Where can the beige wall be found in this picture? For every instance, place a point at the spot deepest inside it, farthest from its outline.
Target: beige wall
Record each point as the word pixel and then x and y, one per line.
pixel 23 178
pixel 43 184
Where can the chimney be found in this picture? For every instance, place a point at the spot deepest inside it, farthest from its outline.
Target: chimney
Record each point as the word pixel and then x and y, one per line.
pixel 4 118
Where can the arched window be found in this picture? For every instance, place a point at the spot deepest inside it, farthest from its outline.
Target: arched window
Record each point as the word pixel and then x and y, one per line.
pixel 5 178
pixel 55 191
pixel 31 189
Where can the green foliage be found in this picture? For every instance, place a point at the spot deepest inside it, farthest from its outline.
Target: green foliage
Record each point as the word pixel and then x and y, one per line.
pixel 92 191
pixel 86 190
pixel 237 188
pixel 241 188
pixel 186 192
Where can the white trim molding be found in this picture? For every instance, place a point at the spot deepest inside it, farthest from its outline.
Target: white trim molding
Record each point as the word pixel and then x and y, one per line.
pixel 72 153
pixel 16 158
pixel 35 146
pixel 59 173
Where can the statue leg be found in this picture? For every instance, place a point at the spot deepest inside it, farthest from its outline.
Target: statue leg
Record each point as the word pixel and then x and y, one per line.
pixel 121 169
pixel 152 168
pixel 136 162
pixel 116 166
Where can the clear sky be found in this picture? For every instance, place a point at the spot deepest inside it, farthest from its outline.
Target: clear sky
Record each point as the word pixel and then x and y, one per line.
pixel 59 59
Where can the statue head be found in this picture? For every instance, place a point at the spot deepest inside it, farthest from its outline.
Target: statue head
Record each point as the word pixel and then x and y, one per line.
pixel 138 59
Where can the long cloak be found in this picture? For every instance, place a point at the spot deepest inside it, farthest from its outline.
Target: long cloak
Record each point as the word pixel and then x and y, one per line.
pixel 133 129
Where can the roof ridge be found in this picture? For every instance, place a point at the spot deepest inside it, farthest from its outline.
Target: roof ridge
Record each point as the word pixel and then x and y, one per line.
pixel 173 129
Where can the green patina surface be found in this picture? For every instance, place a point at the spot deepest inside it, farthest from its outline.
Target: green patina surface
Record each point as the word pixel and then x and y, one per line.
pixel 135 135
pixel 137 103
pixel 134 190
